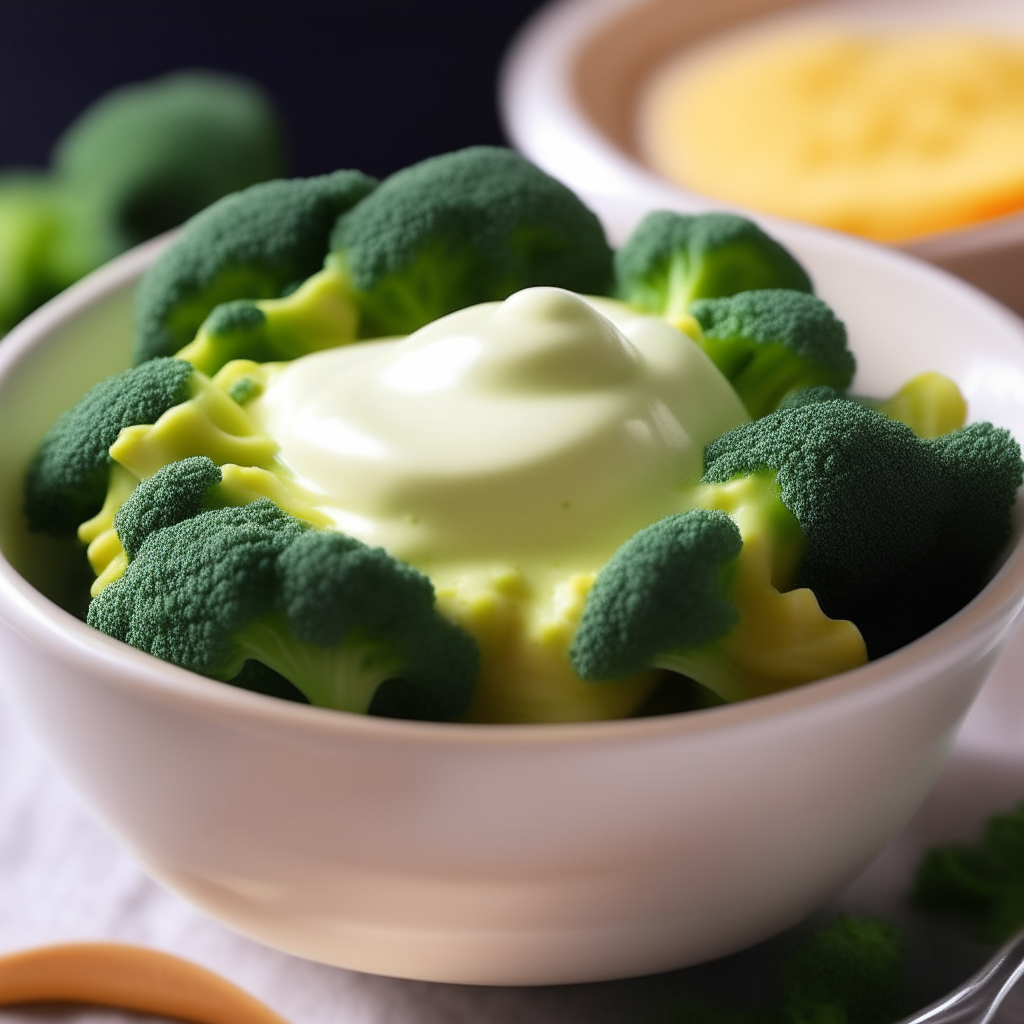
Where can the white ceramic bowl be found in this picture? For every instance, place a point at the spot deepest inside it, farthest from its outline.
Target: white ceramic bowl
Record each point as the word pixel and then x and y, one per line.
pixel 504 854
pixel 572 82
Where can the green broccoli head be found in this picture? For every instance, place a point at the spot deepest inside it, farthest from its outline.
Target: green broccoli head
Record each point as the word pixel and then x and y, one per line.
pixel 772 341
pixel 152 154
pixel 667 588
pixel 672 259
pixel 848 972
pixel 467 227
pixel 255 244
pixel 67 478
pixel 379 613
pixel 49 237
pixel 880 509
pixel 982 884
pixel 211 589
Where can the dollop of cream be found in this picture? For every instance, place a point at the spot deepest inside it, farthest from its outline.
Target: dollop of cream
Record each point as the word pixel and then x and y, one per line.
pixel 546 427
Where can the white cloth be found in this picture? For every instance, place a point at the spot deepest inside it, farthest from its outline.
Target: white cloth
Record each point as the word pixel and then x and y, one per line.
pixel 62 878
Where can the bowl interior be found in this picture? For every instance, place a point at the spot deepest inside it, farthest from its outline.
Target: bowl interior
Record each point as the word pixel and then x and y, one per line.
pixel 903 319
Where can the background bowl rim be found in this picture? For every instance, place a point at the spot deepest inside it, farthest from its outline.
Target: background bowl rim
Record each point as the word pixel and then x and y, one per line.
pixel 542 59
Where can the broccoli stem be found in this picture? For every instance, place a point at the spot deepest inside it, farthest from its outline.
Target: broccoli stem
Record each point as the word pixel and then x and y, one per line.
pixel 344 677
pixel 930 404
pixel 782 638
pixel 319 314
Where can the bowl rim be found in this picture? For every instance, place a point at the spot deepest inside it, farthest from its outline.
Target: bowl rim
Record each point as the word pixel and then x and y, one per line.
pixel 540 107
pixel 42 623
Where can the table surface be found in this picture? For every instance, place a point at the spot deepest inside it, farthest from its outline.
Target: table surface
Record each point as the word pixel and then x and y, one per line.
pixel 63 878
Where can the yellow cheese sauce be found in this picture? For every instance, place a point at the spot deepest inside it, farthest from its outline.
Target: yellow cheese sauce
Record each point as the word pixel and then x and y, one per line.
pixel 892 136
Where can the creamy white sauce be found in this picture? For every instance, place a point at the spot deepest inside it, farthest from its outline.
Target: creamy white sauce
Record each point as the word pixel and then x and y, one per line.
pixel 544 428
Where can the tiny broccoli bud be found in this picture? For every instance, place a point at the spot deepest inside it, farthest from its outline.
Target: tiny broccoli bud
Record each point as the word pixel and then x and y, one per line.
pixel 240 315
pixel 245 389
pixel 981 884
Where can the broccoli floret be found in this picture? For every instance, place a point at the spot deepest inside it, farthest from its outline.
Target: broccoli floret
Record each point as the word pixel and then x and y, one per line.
pixel 879 508
pixel 982 884
pixel 67 478
pixel 849 971
pixel 139 161
pixel 210 589
pixel 841 512
pixel 152 154
pixel 177 492
pixel 49 237
pixel 256 244
pixel 637 609
pixel 467 227
pixel 769 342
pixel 671 260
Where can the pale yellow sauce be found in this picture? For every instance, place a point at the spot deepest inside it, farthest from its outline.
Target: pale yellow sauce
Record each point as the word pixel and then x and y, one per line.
pixel 889 136
pixel 507 450
pixel 525 433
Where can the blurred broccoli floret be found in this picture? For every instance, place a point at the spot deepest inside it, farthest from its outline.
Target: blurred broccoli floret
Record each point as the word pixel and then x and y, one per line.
pixel 982 884
pixel 31 221
pixel 467 227
pixel 139 161
pixel 211 588
pixel 771 341
pixel 254 245
pixel 67 479
pixel 671 260
pixel 831 498
pixel 149 155
pixel 849 971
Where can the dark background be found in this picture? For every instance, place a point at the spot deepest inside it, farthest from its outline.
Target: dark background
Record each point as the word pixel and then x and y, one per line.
pixel 373 84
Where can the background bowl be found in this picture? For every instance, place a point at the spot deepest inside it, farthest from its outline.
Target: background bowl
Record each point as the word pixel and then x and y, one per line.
pixel 572 81
pixel 503 854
